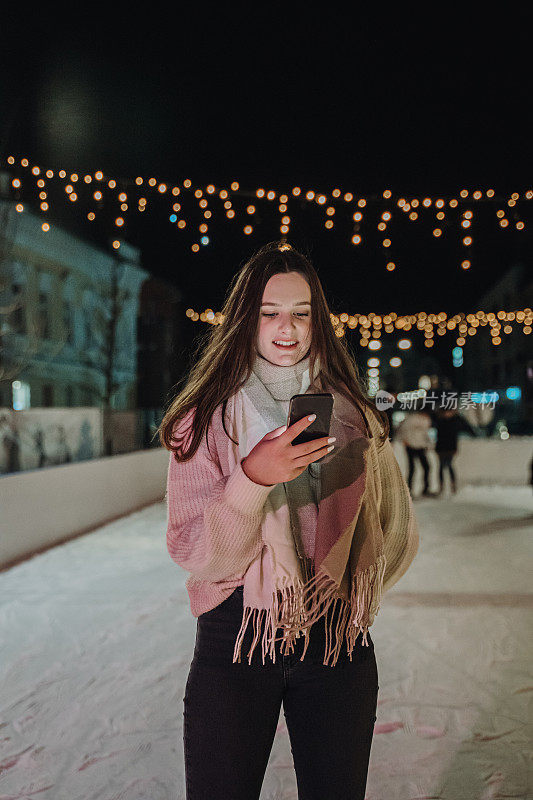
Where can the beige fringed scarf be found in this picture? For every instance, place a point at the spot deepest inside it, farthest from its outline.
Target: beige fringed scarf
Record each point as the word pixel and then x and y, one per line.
pixel 283 588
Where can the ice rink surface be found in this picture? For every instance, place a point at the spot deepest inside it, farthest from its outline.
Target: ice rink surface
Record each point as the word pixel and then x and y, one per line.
pixel 97 637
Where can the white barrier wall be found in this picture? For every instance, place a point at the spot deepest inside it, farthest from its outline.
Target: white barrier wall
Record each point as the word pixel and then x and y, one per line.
pixel 42 507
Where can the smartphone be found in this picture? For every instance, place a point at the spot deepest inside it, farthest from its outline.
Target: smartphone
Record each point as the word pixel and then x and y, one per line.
pixel 302 405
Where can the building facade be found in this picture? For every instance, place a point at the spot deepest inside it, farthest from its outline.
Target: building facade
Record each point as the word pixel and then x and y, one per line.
pixel 68 318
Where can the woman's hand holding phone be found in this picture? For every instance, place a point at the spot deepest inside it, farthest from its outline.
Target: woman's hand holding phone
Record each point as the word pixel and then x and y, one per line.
pixel 275 459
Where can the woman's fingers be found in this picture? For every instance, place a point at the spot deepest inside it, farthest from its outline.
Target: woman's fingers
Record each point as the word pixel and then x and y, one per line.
pixel 297 427
pixel 304 460
pixel 275 433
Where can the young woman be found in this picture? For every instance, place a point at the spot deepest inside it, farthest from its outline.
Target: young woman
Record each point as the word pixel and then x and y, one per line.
pixel 289 547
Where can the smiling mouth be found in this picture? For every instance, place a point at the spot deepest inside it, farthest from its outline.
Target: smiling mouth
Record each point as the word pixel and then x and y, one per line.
pixel 285 346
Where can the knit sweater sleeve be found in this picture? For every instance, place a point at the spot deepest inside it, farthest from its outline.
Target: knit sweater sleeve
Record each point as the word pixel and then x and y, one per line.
pixel 397 517
pixel 213 520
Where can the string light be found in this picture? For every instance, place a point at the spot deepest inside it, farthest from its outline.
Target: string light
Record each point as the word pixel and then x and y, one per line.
pixel 334 204
pixel 466 325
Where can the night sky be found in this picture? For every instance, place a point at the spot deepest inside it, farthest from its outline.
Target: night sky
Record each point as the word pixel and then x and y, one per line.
pixel 419 104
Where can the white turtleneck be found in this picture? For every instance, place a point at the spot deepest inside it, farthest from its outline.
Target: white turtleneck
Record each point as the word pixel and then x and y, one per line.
pixel 282 382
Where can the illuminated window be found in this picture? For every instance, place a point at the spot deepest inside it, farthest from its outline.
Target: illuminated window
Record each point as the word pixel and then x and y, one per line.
pixel 21 395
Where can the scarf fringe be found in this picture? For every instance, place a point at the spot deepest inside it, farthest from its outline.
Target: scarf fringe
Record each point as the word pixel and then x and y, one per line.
pixel 296 607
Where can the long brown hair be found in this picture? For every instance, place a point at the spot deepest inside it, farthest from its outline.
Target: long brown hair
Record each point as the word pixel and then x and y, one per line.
pixel 224 357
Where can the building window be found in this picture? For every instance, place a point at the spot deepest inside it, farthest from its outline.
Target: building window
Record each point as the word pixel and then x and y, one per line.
pixel 18 322
pixel 67 322
pixel 88 333
pixel 87 396
pixel 44 322
pixel 48 395
pixel 21 395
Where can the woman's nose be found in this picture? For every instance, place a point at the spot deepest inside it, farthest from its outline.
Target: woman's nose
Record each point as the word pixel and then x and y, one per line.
pixel 287 330
pixel 287 324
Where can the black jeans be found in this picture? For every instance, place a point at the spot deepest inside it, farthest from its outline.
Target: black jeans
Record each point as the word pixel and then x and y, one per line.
pixel 419 453
pixel 231 712
pixel 446 462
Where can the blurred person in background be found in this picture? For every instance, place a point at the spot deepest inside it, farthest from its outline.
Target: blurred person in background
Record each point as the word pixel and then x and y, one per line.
pixel 413 433
pixel 448 424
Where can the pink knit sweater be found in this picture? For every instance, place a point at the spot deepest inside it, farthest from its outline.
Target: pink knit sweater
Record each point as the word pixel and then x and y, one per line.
pixel 214 517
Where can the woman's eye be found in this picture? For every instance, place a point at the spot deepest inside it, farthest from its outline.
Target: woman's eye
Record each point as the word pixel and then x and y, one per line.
pixel 298 314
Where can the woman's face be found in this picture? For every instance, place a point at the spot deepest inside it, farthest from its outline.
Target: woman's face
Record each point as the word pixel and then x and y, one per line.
pixel 285 315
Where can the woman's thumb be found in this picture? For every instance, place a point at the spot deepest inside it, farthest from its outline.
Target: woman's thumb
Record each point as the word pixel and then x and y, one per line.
pixel 276 432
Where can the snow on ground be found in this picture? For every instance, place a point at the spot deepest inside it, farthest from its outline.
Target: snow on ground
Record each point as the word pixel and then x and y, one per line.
pixel 97 638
